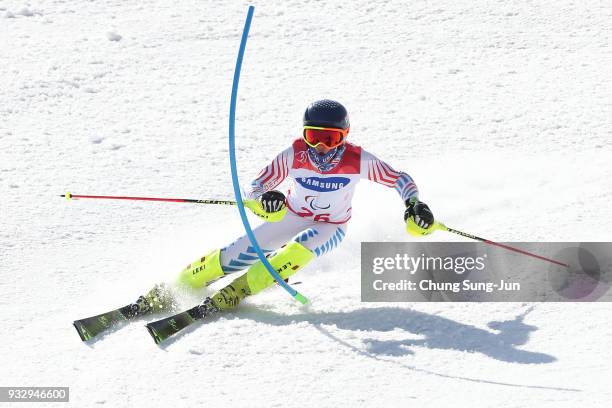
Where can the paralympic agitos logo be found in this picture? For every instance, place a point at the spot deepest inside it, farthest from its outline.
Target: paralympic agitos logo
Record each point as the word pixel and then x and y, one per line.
pixel 323 184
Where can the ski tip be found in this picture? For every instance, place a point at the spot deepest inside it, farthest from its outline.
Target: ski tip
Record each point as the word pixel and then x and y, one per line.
pixel 153 334
pixel 81 331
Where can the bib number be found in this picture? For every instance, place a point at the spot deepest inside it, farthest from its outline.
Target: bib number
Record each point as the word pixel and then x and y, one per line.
pixel 306 213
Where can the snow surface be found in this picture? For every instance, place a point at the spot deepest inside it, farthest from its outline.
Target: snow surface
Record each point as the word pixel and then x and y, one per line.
pixel 500 110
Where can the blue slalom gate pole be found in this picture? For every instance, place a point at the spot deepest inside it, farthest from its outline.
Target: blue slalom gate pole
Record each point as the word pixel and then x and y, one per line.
pixel 232 152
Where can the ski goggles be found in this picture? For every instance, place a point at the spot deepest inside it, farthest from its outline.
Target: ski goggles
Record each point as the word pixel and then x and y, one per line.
pixel 328 137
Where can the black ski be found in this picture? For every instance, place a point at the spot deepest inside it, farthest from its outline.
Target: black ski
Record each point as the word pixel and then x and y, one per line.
pixel 162 329
pixel 90 327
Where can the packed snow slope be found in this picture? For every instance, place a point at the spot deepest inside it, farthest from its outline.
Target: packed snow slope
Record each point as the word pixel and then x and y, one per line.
pixel 500 110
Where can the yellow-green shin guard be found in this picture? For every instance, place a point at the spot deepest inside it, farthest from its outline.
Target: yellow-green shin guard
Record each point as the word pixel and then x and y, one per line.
pixel 197 274
pixel 287 261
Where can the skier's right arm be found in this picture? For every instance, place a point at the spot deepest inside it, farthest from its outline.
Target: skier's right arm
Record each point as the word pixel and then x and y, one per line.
pixel 271 175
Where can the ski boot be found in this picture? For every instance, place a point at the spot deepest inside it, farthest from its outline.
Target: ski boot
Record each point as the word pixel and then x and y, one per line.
pixel 206 308
pixel 158 299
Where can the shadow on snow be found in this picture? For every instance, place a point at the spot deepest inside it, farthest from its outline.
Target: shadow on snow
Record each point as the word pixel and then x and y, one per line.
pixel 438 332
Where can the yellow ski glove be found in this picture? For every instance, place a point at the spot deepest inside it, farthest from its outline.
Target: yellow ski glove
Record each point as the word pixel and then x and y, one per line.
pixel 271 207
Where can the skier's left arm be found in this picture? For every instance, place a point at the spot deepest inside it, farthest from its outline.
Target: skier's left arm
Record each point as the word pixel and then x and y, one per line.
pixel 417 212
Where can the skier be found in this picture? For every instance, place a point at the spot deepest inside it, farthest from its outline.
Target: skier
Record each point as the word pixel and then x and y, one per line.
pixel 325 170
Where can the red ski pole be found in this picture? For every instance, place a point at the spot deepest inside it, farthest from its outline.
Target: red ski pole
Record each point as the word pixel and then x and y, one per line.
pixel 251 204
pixel 443 227
pixel 70 196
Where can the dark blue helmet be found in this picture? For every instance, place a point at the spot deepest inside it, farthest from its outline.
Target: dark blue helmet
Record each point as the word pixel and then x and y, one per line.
pixel 326 113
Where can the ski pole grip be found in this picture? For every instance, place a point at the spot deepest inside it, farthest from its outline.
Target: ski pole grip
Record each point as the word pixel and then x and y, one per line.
pixel 440 226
